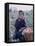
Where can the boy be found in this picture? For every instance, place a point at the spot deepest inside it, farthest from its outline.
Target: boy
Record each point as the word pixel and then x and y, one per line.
pixel 20 22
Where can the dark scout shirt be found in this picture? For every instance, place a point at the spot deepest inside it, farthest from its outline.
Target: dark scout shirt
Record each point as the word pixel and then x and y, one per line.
pixel 19 24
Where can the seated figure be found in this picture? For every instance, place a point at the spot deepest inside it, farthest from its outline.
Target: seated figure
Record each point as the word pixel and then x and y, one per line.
pixel 20 22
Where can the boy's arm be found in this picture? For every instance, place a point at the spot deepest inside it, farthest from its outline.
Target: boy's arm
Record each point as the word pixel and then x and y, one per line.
pixel 24 23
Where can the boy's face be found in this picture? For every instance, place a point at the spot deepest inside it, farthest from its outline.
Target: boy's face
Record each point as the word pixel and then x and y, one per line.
pixel 21 15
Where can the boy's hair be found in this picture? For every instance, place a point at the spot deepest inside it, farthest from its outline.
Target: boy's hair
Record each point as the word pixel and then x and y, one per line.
pixel 20 12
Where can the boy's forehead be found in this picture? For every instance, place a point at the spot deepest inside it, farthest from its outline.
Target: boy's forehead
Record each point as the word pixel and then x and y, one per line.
pixel 21 12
